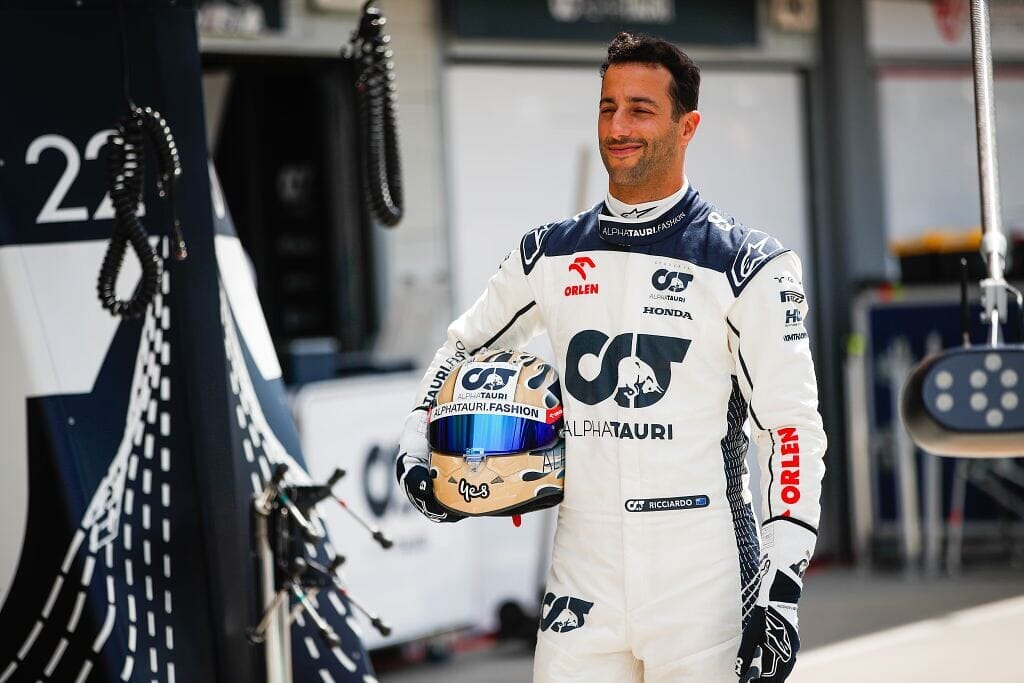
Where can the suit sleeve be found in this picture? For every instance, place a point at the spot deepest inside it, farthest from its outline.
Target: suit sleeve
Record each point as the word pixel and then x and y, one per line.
pixel 776 374
pixel 505 315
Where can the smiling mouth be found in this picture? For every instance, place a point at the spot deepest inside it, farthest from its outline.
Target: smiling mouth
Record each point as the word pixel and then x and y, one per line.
pixel 621 151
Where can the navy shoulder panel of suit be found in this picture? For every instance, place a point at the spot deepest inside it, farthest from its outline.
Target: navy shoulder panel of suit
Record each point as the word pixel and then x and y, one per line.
pixel 692 230
pixel 717 241
pixel 567 236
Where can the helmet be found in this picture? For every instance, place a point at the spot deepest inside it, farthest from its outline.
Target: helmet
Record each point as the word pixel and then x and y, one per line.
pixel 495 432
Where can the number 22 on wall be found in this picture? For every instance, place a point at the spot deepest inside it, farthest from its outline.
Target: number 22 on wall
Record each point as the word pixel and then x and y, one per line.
pixel 52 211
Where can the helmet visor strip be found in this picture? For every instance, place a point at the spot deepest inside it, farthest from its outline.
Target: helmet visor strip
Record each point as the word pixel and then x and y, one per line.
pixel 490 434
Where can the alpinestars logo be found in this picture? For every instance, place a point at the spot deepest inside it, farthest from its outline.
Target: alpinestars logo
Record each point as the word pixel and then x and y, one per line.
pixel 757 248
pixel 563 614
pixel 790 295
pixel 635 369
pixel 777 642
pixel 638 212
pixel 532 246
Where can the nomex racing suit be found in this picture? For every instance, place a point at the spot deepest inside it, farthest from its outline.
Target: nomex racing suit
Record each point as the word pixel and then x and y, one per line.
pixel 671 325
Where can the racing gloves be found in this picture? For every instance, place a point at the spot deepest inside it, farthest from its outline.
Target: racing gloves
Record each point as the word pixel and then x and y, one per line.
pixel 770 639
pixel 413 472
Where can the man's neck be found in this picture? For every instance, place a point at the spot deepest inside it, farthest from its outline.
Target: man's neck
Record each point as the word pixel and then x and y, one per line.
pixel 641 194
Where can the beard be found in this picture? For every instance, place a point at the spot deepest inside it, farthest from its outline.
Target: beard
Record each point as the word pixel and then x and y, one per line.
pixel 656 157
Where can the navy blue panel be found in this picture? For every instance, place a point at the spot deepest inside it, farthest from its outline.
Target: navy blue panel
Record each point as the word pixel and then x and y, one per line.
pixel 139 529
pixel 695 231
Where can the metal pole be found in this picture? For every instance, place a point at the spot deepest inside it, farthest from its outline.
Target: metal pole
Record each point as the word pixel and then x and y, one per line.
pixel 278 632
pixel 933 492
pixel 900 362
pixel 993 241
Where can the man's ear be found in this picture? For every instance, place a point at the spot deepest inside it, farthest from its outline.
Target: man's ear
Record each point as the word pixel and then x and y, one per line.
pixel 688 126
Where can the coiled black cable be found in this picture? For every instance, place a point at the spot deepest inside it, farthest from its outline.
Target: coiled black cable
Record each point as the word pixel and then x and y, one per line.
pixel 125 168
pixel 375 98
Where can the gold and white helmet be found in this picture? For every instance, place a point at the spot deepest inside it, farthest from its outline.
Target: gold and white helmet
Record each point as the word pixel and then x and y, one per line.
pixel 495 433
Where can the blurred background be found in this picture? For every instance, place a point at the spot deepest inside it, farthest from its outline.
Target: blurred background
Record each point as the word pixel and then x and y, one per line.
pixel 843 127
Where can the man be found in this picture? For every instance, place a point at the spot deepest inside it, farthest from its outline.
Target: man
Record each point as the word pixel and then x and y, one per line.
pixel 671 324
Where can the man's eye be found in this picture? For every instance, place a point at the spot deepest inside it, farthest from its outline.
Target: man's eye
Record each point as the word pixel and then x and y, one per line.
pixel 607 110
pixel 644 111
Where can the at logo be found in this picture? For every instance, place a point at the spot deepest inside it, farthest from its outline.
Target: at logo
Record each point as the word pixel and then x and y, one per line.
pixel 790 295
pixel 563 614
pixel 716 219
pixel 672 281
pixel 487 378
pixel 635 369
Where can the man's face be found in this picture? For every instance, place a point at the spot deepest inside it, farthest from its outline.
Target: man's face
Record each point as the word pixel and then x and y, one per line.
pixel 640 141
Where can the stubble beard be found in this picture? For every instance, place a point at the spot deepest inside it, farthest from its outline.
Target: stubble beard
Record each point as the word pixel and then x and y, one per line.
pixel 655 160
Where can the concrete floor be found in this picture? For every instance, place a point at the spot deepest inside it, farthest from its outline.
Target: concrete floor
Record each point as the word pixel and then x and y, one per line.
pixel 839 614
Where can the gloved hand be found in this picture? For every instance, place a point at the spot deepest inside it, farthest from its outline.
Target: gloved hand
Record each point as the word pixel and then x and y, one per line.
pixel 770 639
pixel 414 474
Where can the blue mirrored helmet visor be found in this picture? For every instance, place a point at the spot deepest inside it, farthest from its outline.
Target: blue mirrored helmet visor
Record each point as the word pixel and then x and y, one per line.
pixel 490 434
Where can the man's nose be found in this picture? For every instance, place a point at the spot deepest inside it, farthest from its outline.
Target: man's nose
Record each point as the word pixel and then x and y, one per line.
pixel 621 124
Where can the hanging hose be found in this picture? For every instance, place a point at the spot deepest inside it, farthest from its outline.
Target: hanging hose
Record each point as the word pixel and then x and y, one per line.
pixel 126 166
pixel 375 98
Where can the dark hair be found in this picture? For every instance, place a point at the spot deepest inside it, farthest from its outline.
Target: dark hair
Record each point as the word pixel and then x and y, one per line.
pixel 634 48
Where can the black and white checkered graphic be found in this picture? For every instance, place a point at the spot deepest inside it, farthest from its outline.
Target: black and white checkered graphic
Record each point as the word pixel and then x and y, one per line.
pixel 734 453
pixel 120 552
pixel 262 452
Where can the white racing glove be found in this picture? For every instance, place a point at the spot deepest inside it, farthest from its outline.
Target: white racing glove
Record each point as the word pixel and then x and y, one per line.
pixel 770 641
pixel 413 471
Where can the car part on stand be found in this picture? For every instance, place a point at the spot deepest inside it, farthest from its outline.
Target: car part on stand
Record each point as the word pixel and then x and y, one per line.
pixel 286 521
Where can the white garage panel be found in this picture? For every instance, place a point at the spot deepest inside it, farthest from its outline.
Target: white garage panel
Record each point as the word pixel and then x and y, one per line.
pixel 522 151
pixel 930 151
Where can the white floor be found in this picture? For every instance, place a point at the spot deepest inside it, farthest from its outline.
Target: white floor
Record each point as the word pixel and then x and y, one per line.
pixel 856 628
pixel 980 644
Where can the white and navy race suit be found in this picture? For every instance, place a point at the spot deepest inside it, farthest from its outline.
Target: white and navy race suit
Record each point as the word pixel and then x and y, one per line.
pixel 672 324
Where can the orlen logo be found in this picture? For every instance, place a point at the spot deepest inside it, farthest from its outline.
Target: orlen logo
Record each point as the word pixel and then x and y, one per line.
pixel 635 369
pixel 486 378
pixel 790 478
pixel 672 281
pixel 577 266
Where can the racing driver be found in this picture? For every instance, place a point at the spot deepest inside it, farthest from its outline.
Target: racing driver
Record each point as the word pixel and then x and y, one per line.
pixel 672 325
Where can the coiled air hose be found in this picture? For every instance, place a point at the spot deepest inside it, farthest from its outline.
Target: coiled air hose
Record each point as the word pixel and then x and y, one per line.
pixel 375 99
pixel 126 165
